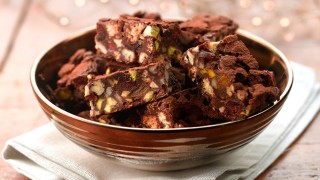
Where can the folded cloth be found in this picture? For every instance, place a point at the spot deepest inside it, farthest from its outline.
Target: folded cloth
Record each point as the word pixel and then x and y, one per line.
pixel 44 153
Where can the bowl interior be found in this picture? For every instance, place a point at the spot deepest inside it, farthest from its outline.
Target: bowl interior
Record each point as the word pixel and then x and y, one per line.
pixel 44 71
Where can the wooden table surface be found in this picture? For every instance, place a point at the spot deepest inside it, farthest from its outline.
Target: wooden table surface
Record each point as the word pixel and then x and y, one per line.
pixel 27 28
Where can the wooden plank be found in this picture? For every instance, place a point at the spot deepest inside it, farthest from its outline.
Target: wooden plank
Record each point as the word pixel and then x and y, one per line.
pixel 12 15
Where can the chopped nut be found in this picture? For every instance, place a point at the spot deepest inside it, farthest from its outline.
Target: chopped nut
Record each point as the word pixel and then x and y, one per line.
pixel 108 71
pixel 142 57
pixel 153 85
pixel 156 44
pixel 102 121
pixel 214 83
pixel 115 81
pixel 190 57
pixel 97 87
pixel 144 74
pixel 203 71
pixel 128 55
pixel 240 95
pixel 116 55
pixel 112 29
pixel 230 90
pixel 99 103
pixel 148 97
pixel 246 111
pixel 125 93
pixel 222 109
pixel 206 87
pixel 101 47
pixel 171 51
pixel 118 42
pixel 86 90
pixel 196 49
pixel 111 101
pixel 129 100
pixel 108 108
pixel 153 69
pixel 64 94
pixel 162 118
pixel 152 31
pixel 212 46
pixel 133 74
pixel 89 76
pixel 108 91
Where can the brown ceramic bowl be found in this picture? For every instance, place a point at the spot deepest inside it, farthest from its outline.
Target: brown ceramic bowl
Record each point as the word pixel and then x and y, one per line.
pixel 157 149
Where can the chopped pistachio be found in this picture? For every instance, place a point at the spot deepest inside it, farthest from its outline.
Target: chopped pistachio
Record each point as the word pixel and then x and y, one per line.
pixel 64 94
pixel 108 108
pixel 129 100
pixel 157 44
pixel 108 71
pixel 152 31
pixel 115 81
pixel 148 97
pixel 99 103
pixel 111 101
pixel 102 121
pixel 179 55
pixel 133 74
pixel 125 93
pixel 246 111
pixel 171 51
pixel 203 71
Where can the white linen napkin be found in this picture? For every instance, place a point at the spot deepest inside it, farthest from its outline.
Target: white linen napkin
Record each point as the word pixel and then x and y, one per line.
pixel 44 153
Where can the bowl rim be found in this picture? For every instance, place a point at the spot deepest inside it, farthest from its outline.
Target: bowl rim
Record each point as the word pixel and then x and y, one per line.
pixel 90 28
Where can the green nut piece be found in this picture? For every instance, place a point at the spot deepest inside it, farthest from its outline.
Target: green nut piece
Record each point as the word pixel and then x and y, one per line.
pixel 246 111
pixel 152 31
pixel 64 94
pixel 133 74
pixel 171 51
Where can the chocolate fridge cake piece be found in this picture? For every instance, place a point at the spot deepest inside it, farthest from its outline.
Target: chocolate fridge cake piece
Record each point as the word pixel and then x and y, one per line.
pixel 229 77
pixel 135 40
pixel 73 77
pixel 206 27
pixel 125 89
pixel 185 108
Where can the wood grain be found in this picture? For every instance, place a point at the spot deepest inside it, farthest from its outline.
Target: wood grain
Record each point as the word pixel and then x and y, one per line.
pixel 20 112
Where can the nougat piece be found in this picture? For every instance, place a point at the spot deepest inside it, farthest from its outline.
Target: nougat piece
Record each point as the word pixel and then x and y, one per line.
pixel 125 89
pixel 229 78
pixel 206 27
pixel 131 39
pixel 185 108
